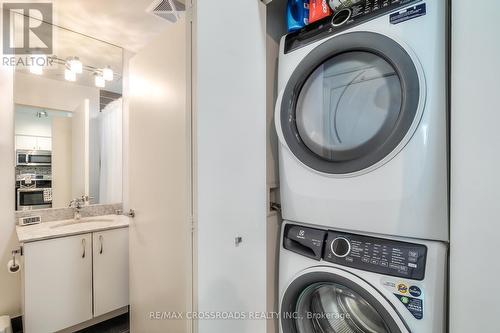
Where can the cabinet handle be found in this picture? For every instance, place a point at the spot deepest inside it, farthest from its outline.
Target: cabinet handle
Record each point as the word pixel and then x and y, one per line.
pixel 83 247
pixel 100 241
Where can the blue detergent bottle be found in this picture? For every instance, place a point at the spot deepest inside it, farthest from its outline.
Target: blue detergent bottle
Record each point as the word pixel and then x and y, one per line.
pixel 297 12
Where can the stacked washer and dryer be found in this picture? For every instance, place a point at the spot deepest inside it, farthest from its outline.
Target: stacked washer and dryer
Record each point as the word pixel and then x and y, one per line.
pixel 362 121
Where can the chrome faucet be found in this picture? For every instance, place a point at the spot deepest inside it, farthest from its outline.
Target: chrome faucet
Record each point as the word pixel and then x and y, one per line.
pixel 77 204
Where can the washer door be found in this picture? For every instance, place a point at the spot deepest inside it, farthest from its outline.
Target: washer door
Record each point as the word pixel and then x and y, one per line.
pixel 336 302
pixel 350 103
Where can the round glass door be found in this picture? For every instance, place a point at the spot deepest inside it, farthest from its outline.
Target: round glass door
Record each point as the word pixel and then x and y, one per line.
pixel 350 103
pixel 336 302
pixel 332 308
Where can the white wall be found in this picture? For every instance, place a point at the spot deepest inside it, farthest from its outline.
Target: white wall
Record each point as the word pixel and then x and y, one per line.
pixel 230 86
pixel 62 153
pixel 475 167
pixel 10 285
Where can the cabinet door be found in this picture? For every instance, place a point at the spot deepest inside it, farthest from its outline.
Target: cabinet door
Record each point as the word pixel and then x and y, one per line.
pixel 44 143
pixel 57 283
pixel 110 270
pixel 25 142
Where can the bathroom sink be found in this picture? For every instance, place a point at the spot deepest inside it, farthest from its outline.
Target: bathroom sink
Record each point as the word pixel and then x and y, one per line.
pixel 82 221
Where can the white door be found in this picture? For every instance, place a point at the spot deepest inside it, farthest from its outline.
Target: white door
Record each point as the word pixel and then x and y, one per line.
pixel 81 173
pixel 57 283
pixel 44 143
pixel 25 142
pixel 159 183
pixel 110 251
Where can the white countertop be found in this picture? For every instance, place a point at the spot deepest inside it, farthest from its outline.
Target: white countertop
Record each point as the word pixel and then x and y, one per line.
pixel 55 229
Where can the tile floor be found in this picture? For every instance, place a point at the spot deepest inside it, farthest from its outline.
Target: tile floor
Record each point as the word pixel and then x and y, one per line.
pixel 118 324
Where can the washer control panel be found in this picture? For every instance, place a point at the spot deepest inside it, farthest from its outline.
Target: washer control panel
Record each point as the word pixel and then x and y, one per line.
pixel 358 12
pixel 384 256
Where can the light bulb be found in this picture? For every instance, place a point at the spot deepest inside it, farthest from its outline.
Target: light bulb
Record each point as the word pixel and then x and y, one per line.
pixel 69 75
pixel 75 65
pixel 107 73
pixel 100 82
pixel 36 69
pixel 37 63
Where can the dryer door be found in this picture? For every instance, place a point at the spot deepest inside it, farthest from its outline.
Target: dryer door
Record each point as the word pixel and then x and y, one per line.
pixel 350 103
pixel 336 301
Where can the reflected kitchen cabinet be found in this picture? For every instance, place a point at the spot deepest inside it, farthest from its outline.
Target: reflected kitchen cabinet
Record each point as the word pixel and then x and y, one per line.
pixel 28 142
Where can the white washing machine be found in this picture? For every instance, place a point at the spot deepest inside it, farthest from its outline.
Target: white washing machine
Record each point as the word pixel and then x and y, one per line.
pixel 338 282
pixel 361 118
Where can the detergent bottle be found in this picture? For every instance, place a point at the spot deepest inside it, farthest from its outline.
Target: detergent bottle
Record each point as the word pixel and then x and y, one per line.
pixel 297 14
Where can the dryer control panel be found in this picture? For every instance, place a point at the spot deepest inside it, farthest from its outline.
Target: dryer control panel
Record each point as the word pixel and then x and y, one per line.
pixel 344 18
pixel 384 256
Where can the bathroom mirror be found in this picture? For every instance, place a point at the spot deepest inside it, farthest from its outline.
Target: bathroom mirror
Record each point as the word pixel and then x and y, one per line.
pixel 68 123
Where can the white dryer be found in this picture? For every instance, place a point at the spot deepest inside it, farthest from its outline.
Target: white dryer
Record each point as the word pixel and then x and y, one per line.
pixel 361 118
pixel 339 282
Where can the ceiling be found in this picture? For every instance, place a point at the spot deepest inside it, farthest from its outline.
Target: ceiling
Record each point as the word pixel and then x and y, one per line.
pixel 96 31
pixel 123 23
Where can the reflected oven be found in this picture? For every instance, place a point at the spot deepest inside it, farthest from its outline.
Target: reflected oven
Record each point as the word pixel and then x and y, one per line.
pixel 34 198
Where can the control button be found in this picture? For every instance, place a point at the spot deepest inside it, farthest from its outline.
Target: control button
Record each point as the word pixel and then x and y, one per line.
pixel 365 259
pixel 349 259
pixel 384 263
pixel 413 254
pixel 415 291
pixel 374 261
pixel 340 247
pixel 341 17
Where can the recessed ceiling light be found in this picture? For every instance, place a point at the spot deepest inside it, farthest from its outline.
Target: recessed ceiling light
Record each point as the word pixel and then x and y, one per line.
pixel 41 114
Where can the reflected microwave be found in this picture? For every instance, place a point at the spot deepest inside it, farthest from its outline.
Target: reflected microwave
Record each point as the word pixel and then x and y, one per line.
pixel 34 157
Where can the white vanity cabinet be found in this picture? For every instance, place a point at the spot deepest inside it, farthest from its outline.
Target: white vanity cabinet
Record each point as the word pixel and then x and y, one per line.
pixel 110 249
pixel 57 283
pixel 70 280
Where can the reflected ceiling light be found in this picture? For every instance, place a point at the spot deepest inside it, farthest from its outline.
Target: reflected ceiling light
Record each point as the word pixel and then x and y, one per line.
pixel 41 114
pixel 69 75
pixel 75 65
pixel 107 73
pixel 100 82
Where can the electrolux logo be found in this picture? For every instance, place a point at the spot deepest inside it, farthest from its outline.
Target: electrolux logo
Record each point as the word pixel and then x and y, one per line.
pixel 27 28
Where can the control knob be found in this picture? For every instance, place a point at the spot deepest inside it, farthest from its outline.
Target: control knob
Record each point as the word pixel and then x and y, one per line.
pixel 340 247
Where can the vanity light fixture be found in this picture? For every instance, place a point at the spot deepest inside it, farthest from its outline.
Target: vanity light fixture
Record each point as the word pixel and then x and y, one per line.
pixel 100 81
pixel 37 63
pixel 36 69
pixel 75 65
pixel 107 73
pixel 69 75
